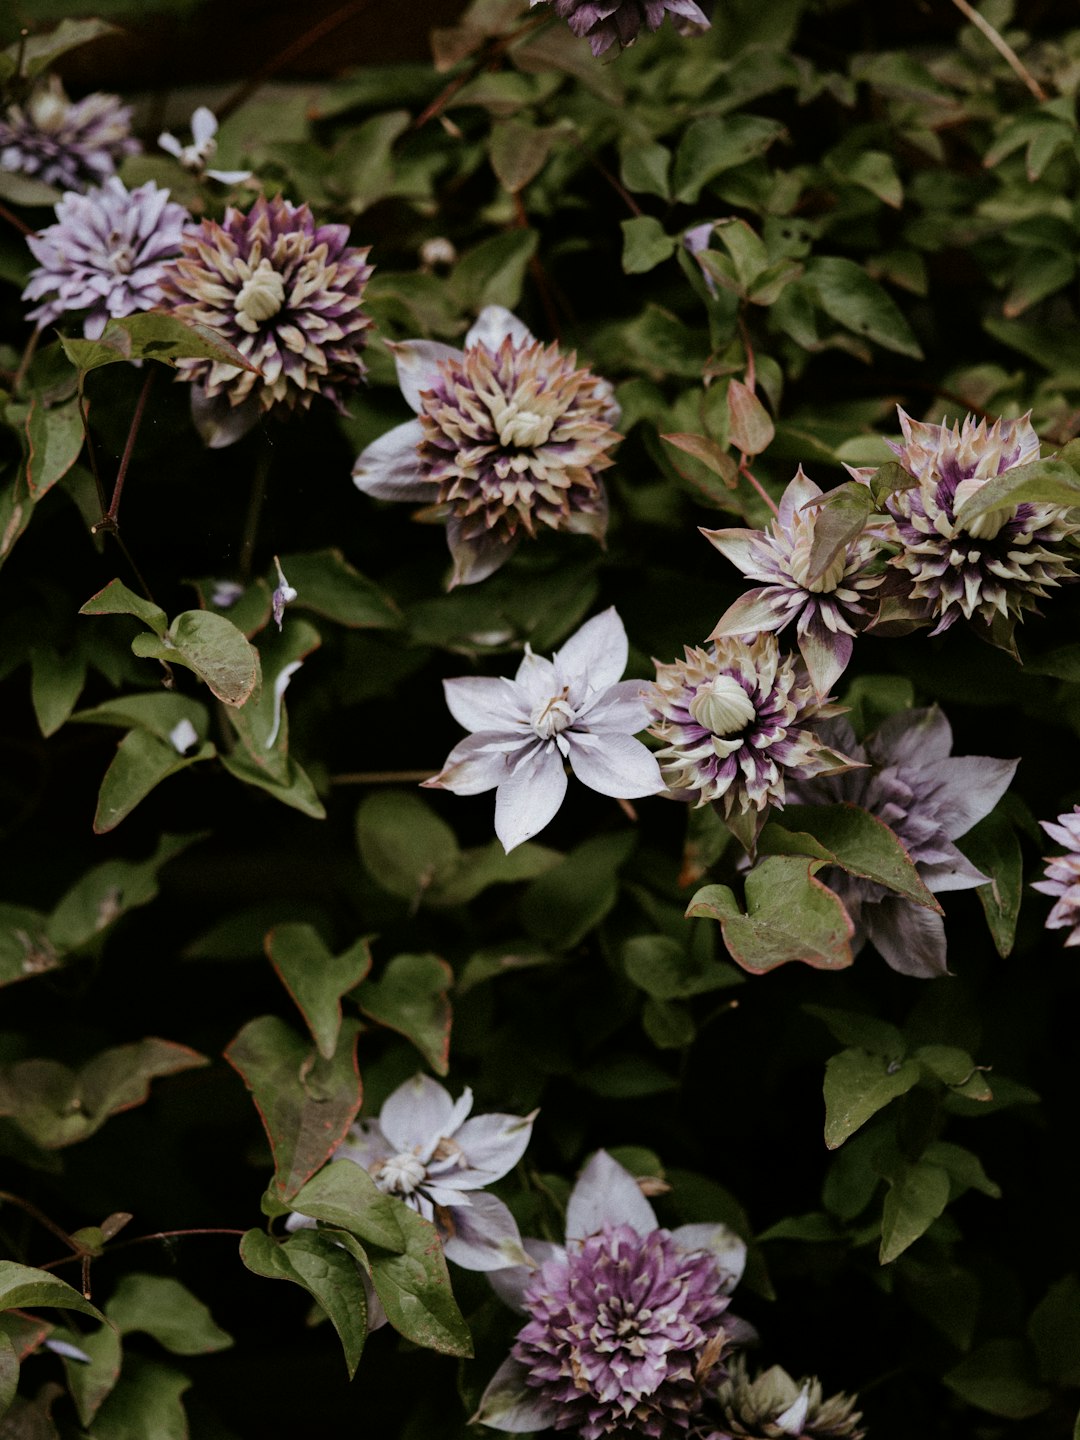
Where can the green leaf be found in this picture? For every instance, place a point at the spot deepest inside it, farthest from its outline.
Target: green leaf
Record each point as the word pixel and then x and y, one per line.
pixel 665 970
pixel 152 335
pixel 1000 1377
pixel 750 427
pixel 847 294
pixel 414 1288
pixel 317 979
pixel 519 151
pixel 145 1402
pixel 327 1272
pixel 839 519
pixel 669 1025
pixel 39 52
pixel 327 584
pixel 709 453
pixel 790 916
pixel 1054 1331
pixel 158 1305
pixel 713 144
pixel 410 997
pixel 914 1201
pixel 627 1077
pixel 1043 482
pixel 211 646
pixel 877 1037
pixel 644 167
pixel 875 171
pixel 56 682
pixel 493 272
pixel 22 1287
pixel 117 599
pixel 645 244
pixel 9 1374
pixel 140 764
pixel 306 1103
pixel 964 1169
pixel 57 1106
pixel 98 899
pixel 25 947
pixel 345 1195
pixel 54 438
pixel 563 905
pixel 90 1385
pixel 946 1063
pixel 486 865
pixel 857 1086
pixel 859 843
pixel 404 845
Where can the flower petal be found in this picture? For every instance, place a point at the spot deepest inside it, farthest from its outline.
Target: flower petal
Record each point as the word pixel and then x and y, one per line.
pixel 964 788
pixel 417 1111
pixel 417 364
pixel 510 1284
pixel 595 656
pixel 826 653
pixel 389 468
pixel 721 1242
pixel 954 873
pixel 489 703
pixel 616 765
pixel 909 937
pixel 478 557
pixel 477 763
pixel 531 797
pixel 606 1194
pixel 220 424
pixel 492 1145
pixel 493 325
pixel 482 1235
pixel 912 737
pixel 509 1404
pixel 365 1145
pixel 620 709
pixel 763 608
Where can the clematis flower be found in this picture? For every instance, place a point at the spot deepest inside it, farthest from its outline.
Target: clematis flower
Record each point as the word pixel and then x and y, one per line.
pixel 998 565
pixel 738 725
pixel 203 147
pixel 572 707
pixel 1063 875
pixel 69 144
pixel 626 1325
pixel 427 1150
pixel 929 798
pixel 610 22
pixel 510 436
pixel 287 293
pixel 773 1406
pixel 106 254
pixel 829 609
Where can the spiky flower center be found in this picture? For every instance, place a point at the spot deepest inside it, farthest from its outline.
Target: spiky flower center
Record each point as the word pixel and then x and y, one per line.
pixel 400 1174
pixel 260 297
pixel 722 706
pixel 551 717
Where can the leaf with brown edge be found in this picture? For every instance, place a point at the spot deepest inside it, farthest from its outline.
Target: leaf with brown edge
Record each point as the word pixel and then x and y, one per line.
pixel 306 1103
pixel 315 978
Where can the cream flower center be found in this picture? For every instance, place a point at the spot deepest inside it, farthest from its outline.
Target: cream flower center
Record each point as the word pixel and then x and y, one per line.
pixel 401 1174
pixel 121 257
pixel 551 717
pixel 983 527
pixel 722 706
pixel 48 110
pixel 522 428
pixel 261 296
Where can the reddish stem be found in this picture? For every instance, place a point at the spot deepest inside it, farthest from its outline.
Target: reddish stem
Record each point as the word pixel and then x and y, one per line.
pixel 125 459
pixel 13 219
pixel 489 52
pixel 744 469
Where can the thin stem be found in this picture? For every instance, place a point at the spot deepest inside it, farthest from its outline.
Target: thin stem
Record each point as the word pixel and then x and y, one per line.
pixel 125 459
pixel 26 361
pixel 243 93
pixel 142 1240
pixel 617 185
pixel 43 1220
pixel 383 777
pixel 254 512
pixel 493 50
pixel 751 371
pixel 744 470
pixel 90 451
pixel 538 273
pixel 1004 49
pixel 17 221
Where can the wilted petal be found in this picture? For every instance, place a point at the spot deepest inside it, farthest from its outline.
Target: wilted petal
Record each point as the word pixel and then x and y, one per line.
pixel 482 1235
pixel 417 364
pixel 606 1194
pixel 490 703
pixel 417 1111
pixel 509 1404
pixel 909 937
pixel 616 765
pixel 531 797
pixel 389 468
pixel 493 325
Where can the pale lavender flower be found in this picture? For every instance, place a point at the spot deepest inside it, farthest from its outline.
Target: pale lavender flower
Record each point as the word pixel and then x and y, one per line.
pixel 287 293
pixel 284 594
pixel 510 436
pixel 428 1151
pixel 106 254
pixel 829 609
pixel 69 144
pixel 993 568
pixel 1063 875
pixel 626 1325
pixel 572 707
pixel 203 147
pixel 929 798
pixel 738 725
pixel 773 1406
pixel 610 22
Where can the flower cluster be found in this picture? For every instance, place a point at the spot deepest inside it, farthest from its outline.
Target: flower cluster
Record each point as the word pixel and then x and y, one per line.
pixel 626 1326
pixel 69 144
pixel 1063 875
pixel 618 22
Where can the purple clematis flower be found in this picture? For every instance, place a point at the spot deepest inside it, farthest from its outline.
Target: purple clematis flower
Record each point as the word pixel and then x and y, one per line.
pixel 626 1326
pixel 610 22
pixel 1063 875
pixel 427 1150
pixel 69 144
pixel 572 707
pixel 510 437
pixel 929 798
pixel 829 608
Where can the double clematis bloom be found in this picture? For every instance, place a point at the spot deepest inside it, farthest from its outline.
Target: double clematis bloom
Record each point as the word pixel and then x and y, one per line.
pixel 773 1406
pixel 829 609
pixel 287 293
pixel 510 437
pixel 626 1325
pixel 618 22
pixel 992 568
pixel 737 722
pixel 70 144
pixel 929 798
pixel 106 254
pixel 572 707
pixel 1063 875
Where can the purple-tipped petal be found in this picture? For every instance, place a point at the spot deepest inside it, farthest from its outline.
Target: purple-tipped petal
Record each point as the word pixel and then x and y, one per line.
pixel 606 1194
pixel 757 610
pixel 218 423
pixel 826 652
pixel 475 558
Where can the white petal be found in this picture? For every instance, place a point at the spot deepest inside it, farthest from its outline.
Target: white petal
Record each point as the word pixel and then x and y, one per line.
pixel 203 125
pixel 389 468
pixel 170 144
pixel 606 1194
pixel 493 325
pixel 620 709
pixel 537 677
pixel 281 684
pixel 365 1145
pixel 510 1284
pixel 718 1241
pixel 417 364
pixel 510 1405
pixel 415 1112
pixel 478 763
pixel 615 765
pixel 475 559
pixel 489 703
pixel 484 1236
pixel 492 1144
pixel 531 797
pixel 595 657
